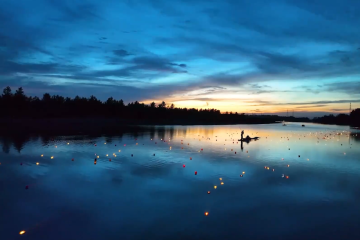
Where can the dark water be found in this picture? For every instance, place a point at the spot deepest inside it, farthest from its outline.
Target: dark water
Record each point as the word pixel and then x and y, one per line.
pixel 155 197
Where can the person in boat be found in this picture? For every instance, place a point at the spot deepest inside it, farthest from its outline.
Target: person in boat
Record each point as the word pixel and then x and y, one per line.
pixel 248 138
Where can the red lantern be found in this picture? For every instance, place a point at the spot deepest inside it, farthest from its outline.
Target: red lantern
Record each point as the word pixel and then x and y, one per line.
pixel 124 145
pixel 184 165
pixel 208 192
pixel 241 175
pixel 195 172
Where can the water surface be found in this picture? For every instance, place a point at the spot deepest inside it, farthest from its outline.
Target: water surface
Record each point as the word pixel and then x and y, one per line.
pixel 297 183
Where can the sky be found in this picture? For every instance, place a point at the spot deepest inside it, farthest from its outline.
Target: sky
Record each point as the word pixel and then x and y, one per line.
pixel 251 56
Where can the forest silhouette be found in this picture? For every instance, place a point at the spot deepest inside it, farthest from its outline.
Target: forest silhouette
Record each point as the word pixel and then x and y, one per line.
pixel 17 106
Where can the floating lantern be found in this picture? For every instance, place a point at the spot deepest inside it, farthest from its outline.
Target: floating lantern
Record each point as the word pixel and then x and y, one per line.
pixel 222 183
pixel 268 168
pixel 195 172
pixel 201 149
pixel 26 187
pixel 243 172
pixel 190 158
pixel 208 192
pixel 220 179
pixel 68 143
pixel 136 143
pixel 37 163
pixel 287 176
pixel 97 156
pixel 184 165
pixel 265 167
pixel 124 145
pixel 95 145
pixel 273 170
pixel 215 187
pixel 107 154
pixel 119 150
pixel 42 155
pixel 52 157
pixel 206 213
pixel 241 175
pixel 22 232
pixel 288 165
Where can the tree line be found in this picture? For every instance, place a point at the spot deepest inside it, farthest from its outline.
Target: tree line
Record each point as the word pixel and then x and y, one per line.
pixel 341 119
pixel 18 105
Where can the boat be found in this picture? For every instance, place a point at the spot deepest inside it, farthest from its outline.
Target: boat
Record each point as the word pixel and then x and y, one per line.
pixel 303 125
pixel 248 139
pixel 283 122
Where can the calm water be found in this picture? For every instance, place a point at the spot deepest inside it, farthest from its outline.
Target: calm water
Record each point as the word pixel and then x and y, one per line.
pixel 155 197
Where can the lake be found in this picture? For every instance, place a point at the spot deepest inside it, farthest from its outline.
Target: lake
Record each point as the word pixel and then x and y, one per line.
pixel 293 183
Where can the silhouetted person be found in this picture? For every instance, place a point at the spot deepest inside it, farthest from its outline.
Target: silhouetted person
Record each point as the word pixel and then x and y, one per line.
pixel 242 147
pixel 242 134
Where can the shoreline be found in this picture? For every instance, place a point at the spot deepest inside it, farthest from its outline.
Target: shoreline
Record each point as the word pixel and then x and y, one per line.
pixel 97 125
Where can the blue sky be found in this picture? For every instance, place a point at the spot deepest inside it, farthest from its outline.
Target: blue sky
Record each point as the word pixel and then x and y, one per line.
pixel 243 56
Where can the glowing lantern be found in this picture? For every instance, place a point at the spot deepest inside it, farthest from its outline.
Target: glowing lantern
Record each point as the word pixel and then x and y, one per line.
pixel 22 232
pixel 195 172
pixel 68 143
pixel 190 158
pixel 241 175
pixel 201 149
pixel 273 170
pixel 222 183
pixel 287 176
pixel 37 163
pixel 243 172
pixel 104 143
pixel 215 187
pixel 206 213
pixel 267 168
pixel 288 165
pixel 208 192
pixel 124 145
pixel 184 165
pixel 107 154
pixel 220 179
pixel 42 155
pixel 52 157
pixel 136 143
pixel 119 150
pixel 97 156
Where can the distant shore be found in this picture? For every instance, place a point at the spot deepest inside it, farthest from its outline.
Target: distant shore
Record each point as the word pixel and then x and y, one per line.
pixel 78 125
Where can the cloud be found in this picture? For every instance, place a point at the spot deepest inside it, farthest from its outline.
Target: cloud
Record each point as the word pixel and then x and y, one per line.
pixel 170 50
